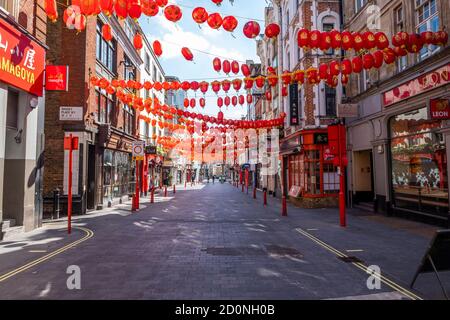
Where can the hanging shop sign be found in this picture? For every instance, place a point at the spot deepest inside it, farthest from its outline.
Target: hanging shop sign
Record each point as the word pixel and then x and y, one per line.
pixel 431 80
pixel 320 138
pixel 440 109
pixel 347 110
pixel 70 113
pixel 151 150
pixel 22 60
pixel 293 105
pixel 57 78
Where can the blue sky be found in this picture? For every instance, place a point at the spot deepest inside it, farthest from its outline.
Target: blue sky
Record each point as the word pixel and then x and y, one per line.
pixel 187 33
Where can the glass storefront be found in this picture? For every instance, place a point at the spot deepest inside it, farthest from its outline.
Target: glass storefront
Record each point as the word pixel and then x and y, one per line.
pixel 118 175
pixel 419 163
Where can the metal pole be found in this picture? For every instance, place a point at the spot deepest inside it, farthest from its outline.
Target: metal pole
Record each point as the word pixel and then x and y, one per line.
pixel 69 194
pixel 137 186
pixel 343 221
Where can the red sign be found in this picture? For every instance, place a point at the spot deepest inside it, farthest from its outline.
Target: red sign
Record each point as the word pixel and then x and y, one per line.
pixel 440 109
pixel 436 78
pixel 22 60
pixel 71 143
pixel 57 78
pixel 337 139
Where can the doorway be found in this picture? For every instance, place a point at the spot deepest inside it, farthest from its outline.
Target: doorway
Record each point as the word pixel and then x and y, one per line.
pixel 91 178
pixel 363 177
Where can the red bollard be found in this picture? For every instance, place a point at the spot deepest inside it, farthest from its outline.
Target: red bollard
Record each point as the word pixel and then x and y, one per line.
pixel 165 191
pixel 242 187
pixel 284 207
pixel 133 204
pixel 265 198
pixel 174 189
pixel 254 192
pixel 152 196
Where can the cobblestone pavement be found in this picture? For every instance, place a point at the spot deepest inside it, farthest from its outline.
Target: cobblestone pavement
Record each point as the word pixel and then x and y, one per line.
pixel 215 242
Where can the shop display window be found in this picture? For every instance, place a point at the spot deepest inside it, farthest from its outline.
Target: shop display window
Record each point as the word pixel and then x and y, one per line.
pixel 118 174
pixel 419 163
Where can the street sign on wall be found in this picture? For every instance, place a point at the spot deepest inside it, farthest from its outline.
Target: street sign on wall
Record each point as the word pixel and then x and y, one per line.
pixel 440 109
pixel 71 113
pixel 138 149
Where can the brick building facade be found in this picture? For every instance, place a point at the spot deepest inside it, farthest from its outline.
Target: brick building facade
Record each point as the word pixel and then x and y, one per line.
pixel 103 170
pixel 307 178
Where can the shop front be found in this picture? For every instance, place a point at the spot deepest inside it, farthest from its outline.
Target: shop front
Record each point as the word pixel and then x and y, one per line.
pixel 22 63
pixel 310 176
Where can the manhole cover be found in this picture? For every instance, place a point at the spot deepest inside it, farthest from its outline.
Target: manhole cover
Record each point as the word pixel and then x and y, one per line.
pixel 350 259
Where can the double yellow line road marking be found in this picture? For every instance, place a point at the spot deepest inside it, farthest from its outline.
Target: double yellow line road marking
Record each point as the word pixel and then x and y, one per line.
pixel 361 266
pixel 88 234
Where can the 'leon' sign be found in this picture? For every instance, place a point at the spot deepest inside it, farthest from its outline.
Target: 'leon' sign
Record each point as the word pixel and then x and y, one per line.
pixel 440 109
pixel 431 80
pixel 22 60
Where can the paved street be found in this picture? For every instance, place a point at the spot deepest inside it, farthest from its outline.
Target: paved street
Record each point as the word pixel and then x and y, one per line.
pixel 214 242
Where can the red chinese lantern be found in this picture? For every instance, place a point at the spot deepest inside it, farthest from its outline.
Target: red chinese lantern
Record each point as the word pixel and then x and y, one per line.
pixel 121 9
pixel 323 71
pixel 187 54
pixel 415 43
pixel 299 76
pixel 389 56
pixel 186 103
pixel 220 102
pixel 235 67
pixel 157 48
pixel 357 64
pixel 369 40
pixel 368 61
pixel 268 95
pixel 200 15
pixel 226 85
pixel 107 7
pixel 441 38
pixel 336 39
pixel 162 3
pixel 193 103
pixel 325 41
pixel 226 66
pixel 249 83
pixel 249 98
pixel 215 20
pixel 286 77
pixel 400 51
pixel 157 86
pixel 217 64
pixel 303 38
pixel 137 41
pixel 234 101
pixel 175 85
pixel 378 59
pixel 358 41
pixel 335 68
pixel 194 85
pixel 252 29
pixel 241 100
pixel 51 10
pixel 381 40
pixel 186 85
pixel 245 69
pixel 284 92
pixel 106 32
pixel 347 40
pixel 134 9
pixel 260 81
pixel 227 101
pixel 346 66
pixel 230 23
pixel 216 85
pixel 202 102
pixel 237 84
pixel 315 37
pixel 344 79
pixel 271 71
pixel 173 13
pixel 272 80
pixel 204 86
pixel 400 39
pixel 150 8
pixel 272 31
pixel 332 81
